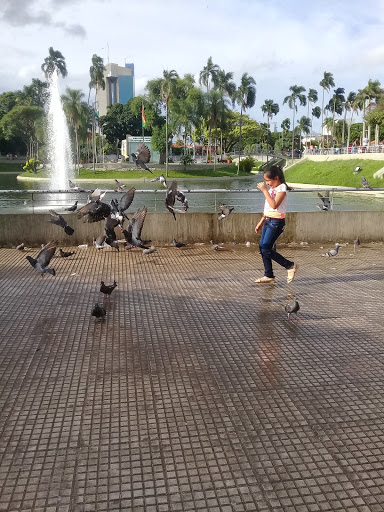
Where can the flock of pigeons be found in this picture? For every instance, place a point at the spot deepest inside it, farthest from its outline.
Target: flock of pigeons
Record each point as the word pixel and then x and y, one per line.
pixel 325 204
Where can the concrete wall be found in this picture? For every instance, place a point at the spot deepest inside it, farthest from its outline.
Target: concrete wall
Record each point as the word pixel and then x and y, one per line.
pixel 34 230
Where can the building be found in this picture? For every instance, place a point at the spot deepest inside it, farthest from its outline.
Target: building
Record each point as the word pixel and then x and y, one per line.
pixel 119 86
pixel 130 144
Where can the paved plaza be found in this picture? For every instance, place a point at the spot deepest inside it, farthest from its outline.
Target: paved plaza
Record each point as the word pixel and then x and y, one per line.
pixel 196 393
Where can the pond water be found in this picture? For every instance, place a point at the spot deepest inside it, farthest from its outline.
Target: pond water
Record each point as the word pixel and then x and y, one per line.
pixel 207 201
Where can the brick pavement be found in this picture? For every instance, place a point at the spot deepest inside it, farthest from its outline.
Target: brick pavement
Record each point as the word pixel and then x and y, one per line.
pixel 196 393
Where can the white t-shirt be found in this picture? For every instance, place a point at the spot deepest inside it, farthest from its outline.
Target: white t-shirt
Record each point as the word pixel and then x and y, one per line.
pixel 279 212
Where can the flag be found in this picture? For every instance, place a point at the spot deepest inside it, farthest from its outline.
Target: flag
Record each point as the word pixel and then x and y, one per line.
pixel 143 115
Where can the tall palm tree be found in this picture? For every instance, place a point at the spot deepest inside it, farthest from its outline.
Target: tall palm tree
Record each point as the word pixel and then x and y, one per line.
pixel 371 92
pixel 227 88
pixel 316 112
pixel 348 107
pixel 269 109
pixel 74 110
pixel 55 60
pixel 304 126
pixel 285 126
pixel 208 75
pixel 336 104
pixel 245 96
pixel 295 96
pixel 312 98
pixel 326 83
pixel 167 88
pixel 96 73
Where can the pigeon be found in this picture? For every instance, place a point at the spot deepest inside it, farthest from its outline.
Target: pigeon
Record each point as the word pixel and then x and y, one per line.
pixel 43 258
pixel 72 208
pixel 64 254
pixel 20 247
pixel 326 203
pixel 125 201
pixel 142 157
pixel 99 243
pixel 292 308
pixel 99 312
pixel 216 247
pixel 97 195
pixel 356 243
pixel 151 250
pixel 333 252
pixel 225 211
pixel 357 169
pixel 181 197
pixel 109 227
pixel 107 290
pixel 74 187
pixel 162 180
pixel 60 221
pixel 365 183
pixel 171 197
pixel 178 244
pixel 133 233
pixel 94 211
pixel 112 243
pixel 119 186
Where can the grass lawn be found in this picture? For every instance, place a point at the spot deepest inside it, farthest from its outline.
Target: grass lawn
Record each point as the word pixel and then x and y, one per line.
pixel 335 172
pixel 229 171
pixel 11 166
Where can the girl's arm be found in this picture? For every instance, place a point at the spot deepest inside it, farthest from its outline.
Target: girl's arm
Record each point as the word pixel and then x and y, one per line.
pixel 273 203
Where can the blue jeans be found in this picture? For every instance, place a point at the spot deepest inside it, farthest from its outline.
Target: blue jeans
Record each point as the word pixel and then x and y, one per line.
pixel 272 229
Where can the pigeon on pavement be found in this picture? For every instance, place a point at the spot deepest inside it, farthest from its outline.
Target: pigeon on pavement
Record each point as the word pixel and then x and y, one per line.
pixel 225 211
pixel 333 252
pixel 216 247
pixel 178 244
pixel 64 254
pixel 365 183
pixel 60 221
pixel 40 264
pixel 72 208
pixel 356 243
pixel 142 157
pixel 99 312
pixel 20 247
pixel 73 186
pixel 99 243
pixel 107 289
pixel 292 308
pixel 151 250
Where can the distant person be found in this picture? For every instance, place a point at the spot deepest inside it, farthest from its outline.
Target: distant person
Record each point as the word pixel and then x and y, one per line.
pixel 273 223
pixel 354 146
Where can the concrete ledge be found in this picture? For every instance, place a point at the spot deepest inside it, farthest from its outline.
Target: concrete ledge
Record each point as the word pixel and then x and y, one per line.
pixel 311 227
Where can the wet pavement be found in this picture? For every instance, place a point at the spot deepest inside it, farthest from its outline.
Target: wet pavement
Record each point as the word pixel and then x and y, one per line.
pixel 196 393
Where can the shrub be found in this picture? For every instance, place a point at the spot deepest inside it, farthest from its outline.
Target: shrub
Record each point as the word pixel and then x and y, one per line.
pixel 247 164
pixel 31 165
pixel 186 159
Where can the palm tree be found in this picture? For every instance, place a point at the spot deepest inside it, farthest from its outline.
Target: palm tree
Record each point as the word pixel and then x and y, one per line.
pixel 285 126
pixel 209 74
pixel 312 98
pixel 74 110
pixel 55 60
pixel 269 109
pixel 245 96
pixel 296 95
pixel 336 106
pixel 304 126
pixel 96 73
pixel 316 112
pixel 348 107
pixel 225 85
pixel 371 92
pixel 167 87
pixel 326 83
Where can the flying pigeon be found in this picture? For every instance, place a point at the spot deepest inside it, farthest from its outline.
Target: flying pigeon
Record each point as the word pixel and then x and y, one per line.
pixel 119 186
pixel 181 197
pixel 326 203
pixel 99 312
pixel 20 247
pixel 151 250
pixel 333 252
pixel 119 207
pixel 356 243
pixel 60 221
pixel 64 254
pixel 171 197
pixel 94 211
pixel 292 308
pixel 178 244
pixel 109 227
pixel 142 157
pixel 72 208
pixel 216 247
pixel 365 183
pixel 107 289
pixel 99 243
pixel 133 233
pixel 357 169
pixel 43 258
pixel 225 211
pixel 162 180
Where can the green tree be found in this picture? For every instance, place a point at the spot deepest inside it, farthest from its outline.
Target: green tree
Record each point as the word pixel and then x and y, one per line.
pixel 226 86
pixel 158 141
pixel 35 94
pixel 245 96
pixel 209 74
pixel 119 121
pixel 269 109
pixel 55 60
pixel 285 127
pixel 168 86
pixel 8 100
pixel 74 109
pixel 326 83
pixel 312 98
pixel 304 126
pixel 336 106
pixel 348 107
pixel 96 73
pixel 295 96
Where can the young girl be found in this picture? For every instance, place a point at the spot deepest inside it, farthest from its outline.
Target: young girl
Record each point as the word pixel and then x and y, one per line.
pixel 273 222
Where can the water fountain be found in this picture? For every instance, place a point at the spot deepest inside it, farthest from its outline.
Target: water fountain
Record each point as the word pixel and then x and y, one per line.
pixel 59 146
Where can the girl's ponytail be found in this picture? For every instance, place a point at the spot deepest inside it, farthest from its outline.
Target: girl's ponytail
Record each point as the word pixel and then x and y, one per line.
pixel 275 171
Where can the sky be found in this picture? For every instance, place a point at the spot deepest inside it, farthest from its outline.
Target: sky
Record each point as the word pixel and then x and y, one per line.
pixel 278 42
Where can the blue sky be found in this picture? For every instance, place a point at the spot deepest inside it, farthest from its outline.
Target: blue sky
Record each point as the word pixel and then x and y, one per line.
pixel 280 43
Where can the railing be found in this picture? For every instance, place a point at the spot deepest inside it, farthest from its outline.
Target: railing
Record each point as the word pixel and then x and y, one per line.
pixel 204 200
pixel 350 150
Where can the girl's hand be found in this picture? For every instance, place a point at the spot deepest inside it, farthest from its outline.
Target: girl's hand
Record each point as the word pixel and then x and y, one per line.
pixel 258 226
pixel 262 186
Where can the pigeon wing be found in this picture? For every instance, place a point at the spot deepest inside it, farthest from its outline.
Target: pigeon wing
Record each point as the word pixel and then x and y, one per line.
pixel 171 194
pixel 143 154
pixel 57 219
pixel 95 194
pixel 126 200
pixel 46 254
